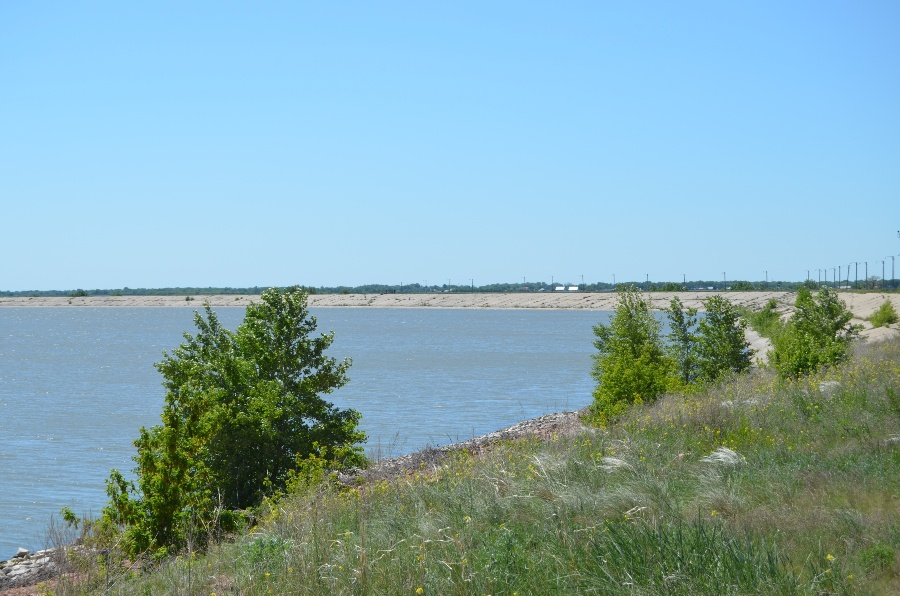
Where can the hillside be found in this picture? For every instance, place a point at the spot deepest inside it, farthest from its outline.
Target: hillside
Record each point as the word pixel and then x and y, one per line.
pixel 754 486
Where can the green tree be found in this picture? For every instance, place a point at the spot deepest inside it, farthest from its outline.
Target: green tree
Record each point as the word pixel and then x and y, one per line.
pixel 682 346
pixel 242 410
pixel 631 365
pixel 708 348
pixel 818 334
pixel 722 346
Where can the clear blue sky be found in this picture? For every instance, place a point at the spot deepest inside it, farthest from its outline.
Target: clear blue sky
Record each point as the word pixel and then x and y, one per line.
pixel 326 143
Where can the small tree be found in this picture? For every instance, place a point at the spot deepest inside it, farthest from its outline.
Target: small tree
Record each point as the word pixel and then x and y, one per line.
pixel 817 334
pixel 631 365
pixel 682 346
pixel 242 410
pixel 711 347
pixel 722 346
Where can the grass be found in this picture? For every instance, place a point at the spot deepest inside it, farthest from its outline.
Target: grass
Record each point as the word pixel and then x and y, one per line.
pixel 753 486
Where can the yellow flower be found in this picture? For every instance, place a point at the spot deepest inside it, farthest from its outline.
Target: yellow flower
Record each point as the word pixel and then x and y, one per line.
pixel 419 590
pixel 829 557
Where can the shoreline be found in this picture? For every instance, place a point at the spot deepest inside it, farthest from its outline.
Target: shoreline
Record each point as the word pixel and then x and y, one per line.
pixel 861 304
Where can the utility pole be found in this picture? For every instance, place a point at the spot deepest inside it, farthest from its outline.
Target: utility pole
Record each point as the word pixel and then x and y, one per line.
pixel 724 282
pixel 833 274
pixel 648 282
pixel 892 270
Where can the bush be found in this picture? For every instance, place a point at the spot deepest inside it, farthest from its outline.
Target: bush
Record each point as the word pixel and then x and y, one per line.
pixel 766 321
pixel 818 334
pixel 885 315
pixel 631 366
pixel 242 411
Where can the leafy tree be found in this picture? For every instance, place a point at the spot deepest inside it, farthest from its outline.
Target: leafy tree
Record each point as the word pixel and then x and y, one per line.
pixel 743 286
pixel 682 346
pixel 722 347
pixel 818 334
pixel 631 365
pixel 708 348
pixel 242 410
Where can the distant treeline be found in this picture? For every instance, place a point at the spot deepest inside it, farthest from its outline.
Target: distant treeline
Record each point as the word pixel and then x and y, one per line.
pixel 873 283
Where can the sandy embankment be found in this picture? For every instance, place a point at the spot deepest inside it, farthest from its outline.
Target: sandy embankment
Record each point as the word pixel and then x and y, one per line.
pixel 862 305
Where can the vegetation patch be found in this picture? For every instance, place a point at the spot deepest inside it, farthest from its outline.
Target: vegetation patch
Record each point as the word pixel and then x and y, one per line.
pixel 885 315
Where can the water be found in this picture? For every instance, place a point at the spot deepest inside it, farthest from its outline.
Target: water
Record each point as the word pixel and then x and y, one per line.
pixel 76 384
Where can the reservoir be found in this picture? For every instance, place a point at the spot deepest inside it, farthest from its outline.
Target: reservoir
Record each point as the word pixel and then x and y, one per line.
pixel 76 384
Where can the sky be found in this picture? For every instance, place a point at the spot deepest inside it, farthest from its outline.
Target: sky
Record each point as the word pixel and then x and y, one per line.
pixel 186 144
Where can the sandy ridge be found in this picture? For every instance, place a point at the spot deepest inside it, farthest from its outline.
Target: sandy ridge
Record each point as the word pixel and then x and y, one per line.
pixel 862 305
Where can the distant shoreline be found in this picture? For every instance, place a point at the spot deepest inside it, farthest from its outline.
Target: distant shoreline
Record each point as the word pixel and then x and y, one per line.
pixel 862 304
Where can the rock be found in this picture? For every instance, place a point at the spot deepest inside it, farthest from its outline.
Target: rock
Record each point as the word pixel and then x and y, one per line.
pixel 27 569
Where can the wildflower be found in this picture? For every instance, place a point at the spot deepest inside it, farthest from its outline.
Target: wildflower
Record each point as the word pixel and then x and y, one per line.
pixel 419 590
pixel 829 557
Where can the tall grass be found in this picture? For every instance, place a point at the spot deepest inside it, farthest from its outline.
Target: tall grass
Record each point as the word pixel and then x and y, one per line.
pixel 752 486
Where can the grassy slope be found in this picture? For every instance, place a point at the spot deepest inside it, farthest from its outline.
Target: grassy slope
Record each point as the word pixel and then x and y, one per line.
pixel 810 504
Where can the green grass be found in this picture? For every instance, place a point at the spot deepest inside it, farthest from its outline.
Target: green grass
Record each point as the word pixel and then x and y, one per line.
pixel 807 501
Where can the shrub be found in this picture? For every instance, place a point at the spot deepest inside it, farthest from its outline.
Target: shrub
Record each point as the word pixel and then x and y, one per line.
pixel 818 334
pixel 242 410
pixel 766 321
pixel 885 315
pixel 631 365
